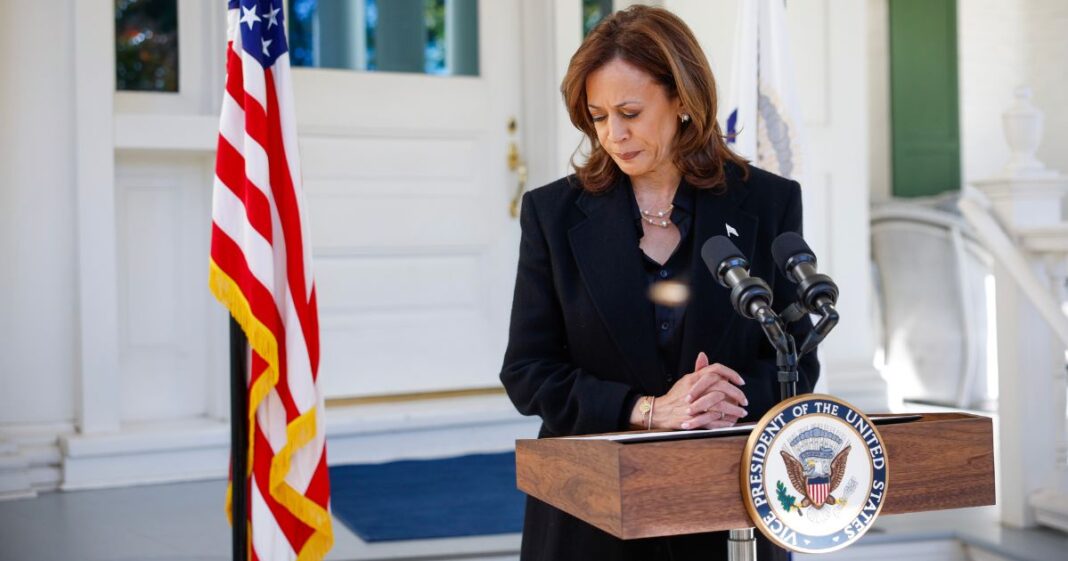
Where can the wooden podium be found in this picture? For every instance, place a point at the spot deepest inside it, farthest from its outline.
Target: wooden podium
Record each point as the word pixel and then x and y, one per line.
pixel 670 487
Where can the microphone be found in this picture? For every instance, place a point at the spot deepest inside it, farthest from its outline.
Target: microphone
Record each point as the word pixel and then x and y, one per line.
pixel 815 291
pixel 750 296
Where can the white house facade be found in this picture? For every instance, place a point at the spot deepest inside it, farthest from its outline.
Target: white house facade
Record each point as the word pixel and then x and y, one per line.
pixel 113 354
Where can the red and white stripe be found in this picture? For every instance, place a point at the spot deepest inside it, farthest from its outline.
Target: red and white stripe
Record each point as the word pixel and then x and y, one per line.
pixel 818 492
pixel 261 269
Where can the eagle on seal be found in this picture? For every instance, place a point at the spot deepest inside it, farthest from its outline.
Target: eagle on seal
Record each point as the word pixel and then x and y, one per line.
pixel 813 482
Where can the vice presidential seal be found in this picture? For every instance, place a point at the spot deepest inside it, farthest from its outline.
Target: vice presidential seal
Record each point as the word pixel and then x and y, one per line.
pixel 814 474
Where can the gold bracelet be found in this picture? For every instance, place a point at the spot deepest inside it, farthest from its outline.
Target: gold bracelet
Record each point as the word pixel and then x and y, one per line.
pixel 652 407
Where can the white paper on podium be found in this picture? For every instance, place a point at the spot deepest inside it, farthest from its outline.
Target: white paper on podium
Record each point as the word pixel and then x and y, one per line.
pixel 746 428
pixel 646 436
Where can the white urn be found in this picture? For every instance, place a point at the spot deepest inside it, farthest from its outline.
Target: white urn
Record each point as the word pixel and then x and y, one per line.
pixel 1023 132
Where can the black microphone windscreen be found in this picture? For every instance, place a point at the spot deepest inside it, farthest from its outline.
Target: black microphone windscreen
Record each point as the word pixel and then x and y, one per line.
pixel 787 245
pixel 717 250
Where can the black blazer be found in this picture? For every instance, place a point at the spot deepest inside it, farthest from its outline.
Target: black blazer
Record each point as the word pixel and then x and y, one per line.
pixel 583 334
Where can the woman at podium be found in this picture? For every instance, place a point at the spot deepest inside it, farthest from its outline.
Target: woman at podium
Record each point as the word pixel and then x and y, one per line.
pixel 616 322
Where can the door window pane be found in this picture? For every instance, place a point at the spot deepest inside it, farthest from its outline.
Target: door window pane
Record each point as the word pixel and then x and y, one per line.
pixel 423 36
pixel 146 45
pixel 593 11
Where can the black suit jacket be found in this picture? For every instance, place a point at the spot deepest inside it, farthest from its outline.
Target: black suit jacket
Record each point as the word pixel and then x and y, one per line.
pixel 583 334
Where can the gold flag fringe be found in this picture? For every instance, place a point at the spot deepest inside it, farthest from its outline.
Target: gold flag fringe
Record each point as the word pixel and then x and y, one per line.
pixel 299 432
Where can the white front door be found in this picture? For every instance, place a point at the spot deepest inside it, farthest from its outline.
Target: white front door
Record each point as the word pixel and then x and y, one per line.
pixel 408 193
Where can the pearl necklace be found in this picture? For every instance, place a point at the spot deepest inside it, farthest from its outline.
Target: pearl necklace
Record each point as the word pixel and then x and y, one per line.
pixel 652 216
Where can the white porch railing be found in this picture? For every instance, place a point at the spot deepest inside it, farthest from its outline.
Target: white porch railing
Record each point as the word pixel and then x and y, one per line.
pixel 1019 216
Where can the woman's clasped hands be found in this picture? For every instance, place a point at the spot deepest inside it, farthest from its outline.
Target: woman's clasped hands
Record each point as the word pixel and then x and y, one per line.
pixel 707 398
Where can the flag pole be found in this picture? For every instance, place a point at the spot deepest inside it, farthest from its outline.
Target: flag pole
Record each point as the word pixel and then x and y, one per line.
pixel 238 441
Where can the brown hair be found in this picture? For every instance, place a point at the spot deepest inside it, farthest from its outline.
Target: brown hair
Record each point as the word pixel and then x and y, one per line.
pixel 660 44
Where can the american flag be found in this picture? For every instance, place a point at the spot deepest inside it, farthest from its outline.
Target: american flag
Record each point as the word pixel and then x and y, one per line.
pixel 261 270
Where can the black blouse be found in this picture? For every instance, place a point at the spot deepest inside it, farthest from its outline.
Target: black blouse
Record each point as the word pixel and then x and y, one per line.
pixel 669 319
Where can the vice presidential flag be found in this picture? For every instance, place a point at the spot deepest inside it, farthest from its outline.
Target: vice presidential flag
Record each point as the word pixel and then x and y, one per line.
pixel 261 270
pixel 763 121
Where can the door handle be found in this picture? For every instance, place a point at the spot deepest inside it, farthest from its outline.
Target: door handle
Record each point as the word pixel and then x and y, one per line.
pixel 517 164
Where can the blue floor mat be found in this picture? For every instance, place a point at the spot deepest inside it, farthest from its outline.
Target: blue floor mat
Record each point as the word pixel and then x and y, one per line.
pixel 420 499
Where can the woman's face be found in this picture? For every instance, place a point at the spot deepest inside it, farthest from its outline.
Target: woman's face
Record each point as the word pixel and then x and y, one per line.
pixel 635 120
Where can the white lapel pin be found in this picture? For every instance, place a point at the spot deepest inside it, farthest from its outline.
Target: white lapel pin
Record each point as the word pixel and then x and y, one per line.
pixel 731 231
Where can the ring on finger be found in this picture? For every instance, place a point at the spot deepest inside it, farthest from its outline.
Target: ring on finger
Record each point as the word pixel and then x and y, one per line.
pixel 721 415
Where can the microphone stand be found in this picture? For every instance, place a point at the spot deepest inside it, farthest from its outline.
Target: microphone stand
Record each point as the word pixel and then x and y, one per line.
pixel 741 543
pixel 785 351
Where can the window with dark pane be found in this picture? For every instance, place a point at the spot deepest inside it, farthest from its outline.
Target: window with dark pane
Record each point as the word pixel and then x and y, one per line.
pixel 423 36
pixel 593 11
pixel 146 45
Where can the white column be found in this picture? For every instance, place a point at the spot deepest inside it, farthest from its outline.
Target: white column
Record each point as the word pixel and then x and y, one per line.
pixel 1057 266
pixel 1025 368
pixel 1050 501
pixel 98 404
pixel 839 149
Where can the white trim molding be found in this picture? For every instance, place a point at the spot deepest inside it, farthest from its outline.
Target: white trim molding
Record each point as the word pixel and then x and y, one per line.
pixel 14 473
pixel 30 459
pixel 149 453
pixel 197 133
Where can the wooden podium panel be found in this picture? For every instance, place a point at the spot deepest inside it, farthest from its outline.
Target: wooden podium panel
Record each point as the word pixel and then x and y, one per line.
pixel 646 489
